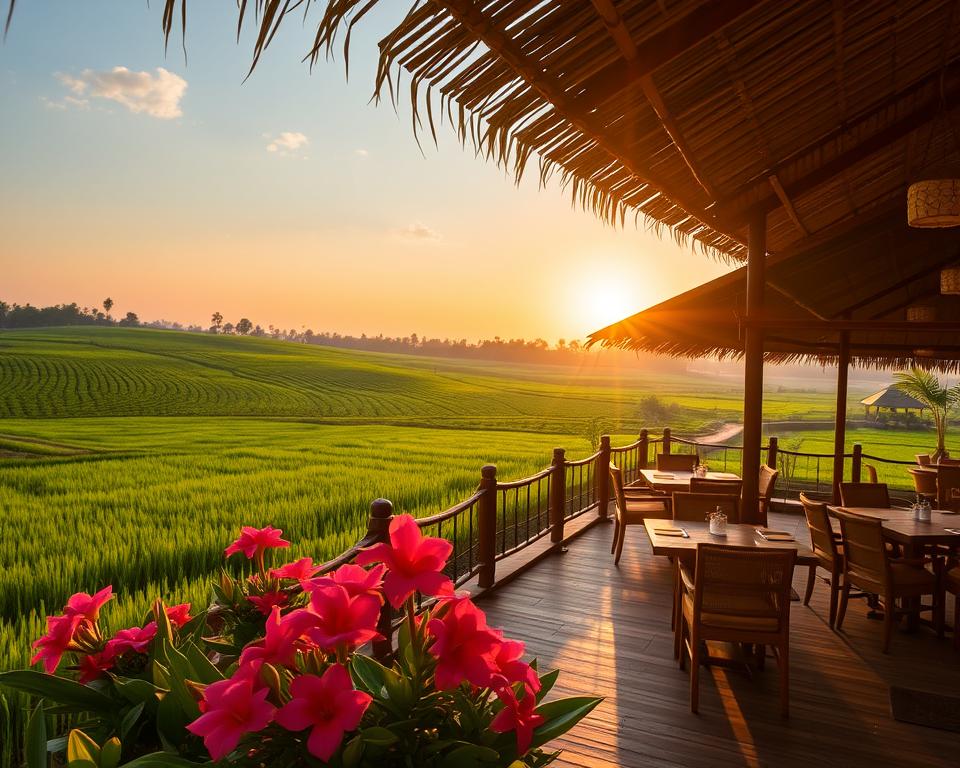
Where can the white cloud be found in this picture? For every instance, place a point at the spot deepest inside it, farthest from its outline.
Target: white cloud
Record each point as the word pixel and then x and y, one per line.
pixel 157 95
pixel 418 231
pixel 287 143
pixel 361 152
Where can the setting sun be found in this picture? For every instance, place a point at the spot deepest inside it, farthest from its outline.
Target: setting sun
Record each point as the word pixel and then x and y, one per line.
pixel 604 299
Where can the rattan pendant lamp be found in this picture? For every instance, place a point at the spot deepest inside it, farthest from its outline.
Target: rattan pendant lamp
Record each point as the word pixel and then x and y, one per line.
pixel 934 201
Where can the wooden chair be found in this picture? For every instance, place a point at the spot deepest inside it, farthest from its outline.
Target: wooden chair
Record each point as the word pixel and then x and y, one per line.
pixel 696 506
pixel 924 483
pixel 677 462
pixel 871 473
pixel 865 495
pixel 826 548
pixel 768 484
pixel 709 485
pixel 868 566
pixel 923 459
pixel 951 583
pixel 737 595
pixel 631 511
pixel 948 488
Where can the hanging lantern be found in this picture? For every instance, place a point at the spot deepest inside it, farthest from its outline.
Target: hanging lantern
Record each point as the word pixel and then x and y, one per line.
pixel 950 281
pixel 934 203
pixel 921 314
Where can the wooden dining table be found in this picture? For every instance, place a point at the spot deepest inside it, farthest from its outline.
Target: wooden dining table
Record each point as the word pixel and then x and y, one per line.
pixel 900 527
pixel 698 532
pixel 678 480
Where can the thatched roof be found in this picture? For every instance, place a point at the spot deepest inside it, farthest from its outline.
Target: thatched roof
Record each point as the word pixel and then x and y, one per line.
pixel 866 275
pixel 892 397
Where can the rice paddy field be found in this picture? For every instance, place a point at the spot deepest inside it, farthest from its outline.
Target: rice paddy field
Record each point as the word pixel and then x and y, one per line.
pixel 131 457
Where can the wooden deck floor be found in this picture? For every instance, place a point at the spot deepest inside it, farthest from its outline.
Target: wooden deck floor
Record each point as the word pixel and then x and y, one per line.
pixel 608 629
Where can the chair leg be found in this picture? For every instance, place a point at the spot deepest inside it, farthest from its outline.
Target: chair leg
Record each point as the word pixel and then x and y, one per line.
pixel 620 537
pixel 682 632
pixel 783 661
pixel 810 580
pixel 889 611
pixel 842 610
pixel 834 594
pixel 616 535
pixel 694 672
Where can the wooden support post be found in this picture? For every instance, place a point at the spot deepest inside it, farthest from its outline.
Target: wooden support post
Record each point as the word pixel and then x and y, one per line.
pixel 840 419
pixel 856 465
pixel 487 525
pixel 666 439
pixel 644 449
pixel 753 369
pixel 378 530
pixel 772 449
pixel 558 495
pixel 602 473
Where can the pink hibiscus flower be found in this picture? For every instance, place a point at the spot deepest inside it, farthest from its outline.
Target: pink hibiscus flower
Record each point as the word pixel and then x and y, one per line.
pixel 464 646
pixel 52 646
pixel 414 561
pixel 179 614
pixel 341 621
pixel 298 570
pixel 268 600
pixel 353 578
pixel 135 639
pixel 282 639
pixel 517 715
pixel 508 660
pixel 328 705
pixel 232 708
pixel 88 606
pixel 93 665
pixel 254 541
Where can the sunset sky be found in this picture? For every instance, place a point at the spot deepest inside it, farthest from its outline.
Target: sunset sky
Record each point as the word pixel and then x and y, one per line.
pixel 291 199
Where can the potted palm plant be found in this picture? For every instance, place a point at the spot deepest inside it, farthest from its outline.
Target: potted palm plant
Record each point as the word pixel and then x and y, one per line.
pixel 925 387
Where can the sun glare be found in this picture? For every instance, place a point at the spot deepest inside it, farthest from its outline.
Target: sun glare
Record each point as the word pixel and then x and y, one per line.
pixel 606 299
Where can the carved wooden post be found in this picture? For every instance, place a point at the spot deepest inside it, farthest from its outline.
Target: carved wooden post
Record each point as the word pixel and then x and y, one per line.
pixel 378 530
pixel 666 439
pixel 855 466
pixel 772 453
pixel 487 523
pixel 558 496
pixel 644 449
pixel 603 478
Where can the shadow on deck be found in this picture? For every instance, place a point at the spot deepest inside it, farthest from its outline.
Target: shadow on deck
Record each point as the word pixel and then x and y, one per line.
pixel 608 629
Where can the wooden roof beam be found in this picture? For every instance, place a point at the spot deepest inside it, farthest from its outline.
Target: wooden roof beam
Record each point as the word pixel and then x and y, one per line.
pixel 469 14
pixel 617 30
pixel 667 44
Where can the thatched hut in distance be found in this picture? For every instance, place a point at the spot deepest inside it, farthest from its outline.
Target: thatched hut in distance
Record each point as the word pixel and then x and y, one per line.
pixel 893 401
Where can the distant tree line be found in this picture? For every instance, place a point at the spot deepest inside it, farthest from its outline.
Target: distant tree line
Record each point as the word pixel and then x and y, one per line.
pixel 29 316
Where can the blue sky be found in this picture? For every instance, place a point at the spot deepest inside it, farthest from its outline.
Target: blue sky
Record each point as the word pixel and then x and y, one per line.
pixel 347 226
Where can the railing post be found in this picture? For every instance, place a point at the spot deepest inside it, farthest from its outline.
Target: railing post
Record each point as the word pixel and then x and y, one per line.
pixel 487 524
pixel 603 478
pixel 644 449
pixel 856 463
pixel 378 530
pixel 666 439
pixel 772 453
pixel 558 495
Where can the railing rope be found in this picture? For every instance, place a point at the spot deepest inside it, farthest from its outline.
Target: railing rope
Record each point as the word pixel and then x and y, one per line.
pixel 558 496
pixel 487 527
pixel 602 477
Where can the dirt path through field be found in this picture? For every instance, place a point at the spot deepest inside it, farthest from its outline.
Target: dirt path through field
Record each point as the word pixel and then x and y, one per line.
pixel 727 432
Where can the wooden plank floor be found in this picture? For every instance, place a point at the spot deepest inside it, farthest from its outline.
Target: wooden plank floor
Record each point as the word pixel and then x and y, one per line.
pixel 608 629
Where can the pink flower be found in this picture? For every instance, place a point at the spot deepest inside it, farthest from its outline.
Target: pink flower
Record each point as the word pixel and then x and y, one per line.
pixel 342 621
pixel 254 541
pixel 298 570
pixel 509 664
pixel 414 561
pixel 282 639
pixel 232 708
pixel 88 606
pixel 356 580
pixel 268 600
pixel 328 705
pixel 464 645
pixel 179 614
pixel 52 646
pixel 135 639
pixel 517 715
pixel 93 665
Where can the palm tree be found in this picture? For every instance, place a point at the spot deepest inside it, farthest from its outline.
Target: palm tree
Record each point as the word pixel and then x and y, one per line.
pixel 925 387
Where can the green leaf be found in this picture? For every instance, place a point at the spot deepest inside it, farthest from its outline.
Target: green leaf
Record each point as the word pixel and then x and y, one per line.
pixel 561 715
pixel 377 735
pixel 547 681
pixel 206 672
pixel 82 751
pixel 370 675
pixel 162 760
pixel 130 720
pixel 469 756
pixel 180 670
pixel 58 689
pixel 352 752
pixel 35 746
pixel 110 753
pixel 137 691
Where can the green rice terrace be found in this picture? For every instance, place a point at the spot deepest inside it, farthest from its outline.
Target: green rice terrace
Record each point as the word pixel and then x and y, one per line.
pixel 131 457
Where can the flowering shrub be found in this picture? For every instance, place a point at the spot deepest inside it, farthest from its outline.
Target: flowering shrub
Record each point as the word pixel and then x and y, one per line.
pixel 272 673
